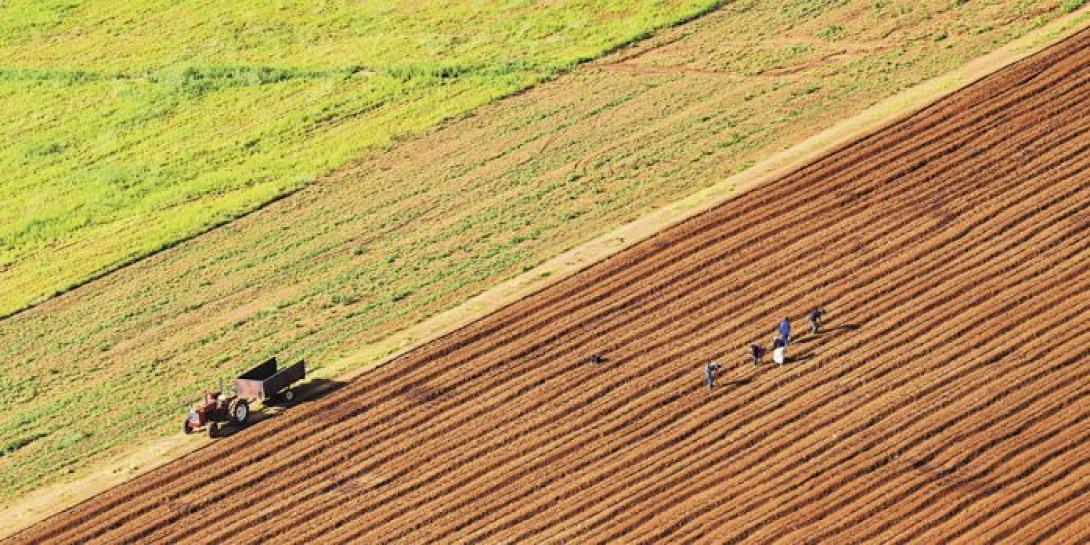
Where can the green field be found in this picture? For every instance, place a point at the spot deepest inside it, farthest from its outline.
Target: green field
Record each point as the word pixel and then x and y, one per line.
pixel 415 225
pixel 132 125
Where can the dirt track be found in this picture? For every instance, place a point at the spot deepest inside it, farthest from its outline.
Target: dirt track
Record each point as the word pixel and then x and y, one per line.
pixel 947 399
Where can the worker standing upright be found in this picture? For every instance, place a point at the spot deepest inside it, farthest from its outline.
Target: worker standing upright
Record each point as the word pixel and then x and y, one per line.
pixel 785 331
pixel 815 320
pixel 709 374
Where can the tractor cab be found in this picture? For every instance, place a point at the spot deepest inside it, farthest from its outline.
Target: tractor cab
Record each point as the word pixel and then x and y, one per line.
pixel 213 399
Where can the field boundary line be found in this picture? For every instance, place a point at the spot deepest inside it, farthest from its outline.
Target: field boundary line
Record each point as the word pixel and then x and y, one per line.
pixel 42 503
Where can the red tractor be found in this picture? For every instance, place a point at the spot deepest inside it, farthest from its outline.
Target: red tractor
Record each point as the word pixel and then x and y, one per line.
pixel 216 407
pixel 260 383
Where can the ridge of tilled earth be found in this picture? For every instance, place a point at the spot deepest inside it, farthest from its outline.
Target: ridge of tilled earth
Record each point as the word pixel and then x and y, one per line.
pixel 945 401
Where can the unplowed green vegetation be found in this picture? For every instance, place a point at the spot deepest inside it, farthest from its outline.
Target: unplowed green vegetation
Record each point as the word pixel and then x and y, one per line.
pixel 131 125
pixel 426 223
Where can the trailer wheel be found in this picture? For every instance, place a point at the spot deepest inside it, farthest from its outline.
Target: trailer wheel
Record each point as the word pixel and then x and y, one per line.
pixel 238 411
pixel 185 426
pixel 288 395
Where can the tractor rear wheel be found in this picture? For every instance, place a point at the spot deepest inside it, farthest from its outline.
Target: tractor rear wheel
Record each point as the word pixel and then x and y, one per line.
pixel 238 411
pixel 213 427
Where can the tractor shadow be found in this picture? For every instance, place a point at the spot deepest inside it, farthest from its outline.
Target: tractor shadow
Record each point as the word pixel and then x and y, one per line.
pixel 308 392
pixel 315 389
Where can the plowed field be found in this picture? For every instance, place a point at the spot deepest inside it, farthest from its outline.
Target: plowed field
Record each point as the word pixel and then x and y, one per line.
pixel 946 400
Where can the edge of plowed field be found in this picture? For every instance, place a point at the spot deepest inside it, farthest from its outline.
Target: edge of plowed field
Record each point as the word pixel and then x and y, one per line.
pixel 51 500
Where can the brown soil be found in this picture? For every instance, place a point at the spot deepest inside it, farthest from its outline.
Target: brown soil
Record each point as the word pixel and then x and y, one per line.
pixel 947 399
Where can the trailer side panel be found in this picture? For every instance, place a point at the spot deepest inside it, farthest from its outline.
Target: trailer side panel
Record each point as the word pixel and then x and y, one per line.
pixel 285 378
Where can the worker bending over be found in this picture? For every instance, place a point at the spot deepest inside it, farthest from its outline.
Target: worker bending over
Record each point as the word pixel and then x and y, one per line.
pixel 758 352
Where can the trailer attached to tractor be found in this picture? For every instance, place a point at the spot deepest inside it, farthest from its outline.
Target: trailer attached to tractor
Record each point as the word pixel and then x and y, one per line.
pixel 260 383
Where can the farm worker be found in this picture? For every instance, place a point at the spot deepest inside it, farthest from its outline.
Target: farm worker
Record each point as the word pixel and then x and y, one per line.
pixel 779 351
pixel 709 374
pixel 815 319
pixel 785 331
pixel 758 352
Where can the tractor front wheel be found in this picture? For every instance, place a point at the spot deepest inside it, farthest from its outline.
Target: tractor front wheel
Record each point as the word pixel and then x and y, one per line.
pixel 288 396
pixel 185 426
pixel 238 410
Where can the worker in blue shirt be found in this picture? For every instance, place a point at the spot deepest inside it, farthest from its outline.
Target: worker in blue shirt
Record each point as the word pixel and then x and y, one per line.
pixel 785 331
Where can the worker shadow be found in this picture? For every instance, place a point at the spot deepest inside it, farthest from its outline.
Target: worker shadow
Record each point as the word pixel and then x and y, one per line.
pixel 824 334
pixel 804 357
pixel 839 329
pixel 738 382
